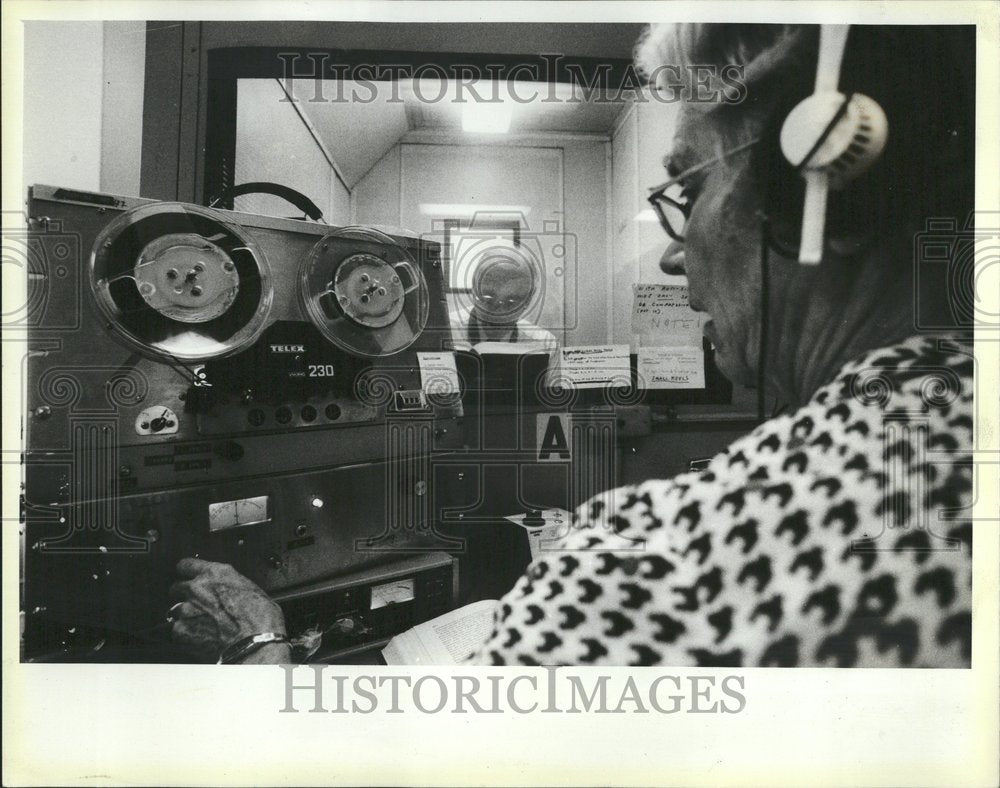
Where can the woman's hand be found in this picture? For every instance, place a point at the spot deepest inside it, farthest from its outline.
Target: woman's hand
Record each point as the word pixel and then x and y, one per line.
pixel 215 606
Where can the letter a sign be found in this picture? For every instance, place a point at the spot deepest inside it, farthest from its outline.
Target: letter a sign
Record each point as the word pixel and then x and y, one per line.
pixel 552 433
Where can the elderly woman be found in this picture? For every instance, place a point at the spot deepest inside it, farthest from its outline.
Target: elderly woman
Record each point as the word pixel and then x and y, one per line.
pixel 832 534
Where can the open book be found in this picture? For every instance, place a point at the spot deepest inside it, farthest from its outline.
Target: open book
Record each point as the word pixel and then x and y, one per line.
pixel 445 640
pixel 522 348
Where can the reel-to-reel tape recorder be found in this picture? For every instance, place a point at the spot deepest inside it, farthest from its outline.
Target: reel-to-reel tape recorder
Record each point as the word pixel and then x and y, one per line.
pixel 267 393
pixel 242 388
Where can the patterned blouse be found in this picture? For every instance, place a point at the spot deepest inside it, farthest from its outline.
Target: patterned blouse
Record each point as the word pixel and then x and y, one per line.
pixel 838 535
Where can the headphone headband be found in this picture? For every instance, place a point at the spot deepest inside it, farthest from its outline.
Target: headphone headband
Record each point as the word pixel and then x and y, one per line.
pixel 830 139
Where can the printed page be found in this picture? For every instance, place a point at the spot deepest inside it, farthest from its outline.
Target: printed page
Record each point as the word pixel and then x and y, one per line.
pixel 670 368
pixel 438 374
pixel 445 640
pixel 592 366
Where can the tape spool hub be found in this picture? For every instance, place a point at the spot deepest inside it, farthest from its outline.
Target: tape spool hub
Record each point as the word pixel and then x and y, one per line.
pixel 180 282
pixel 369 290
pixel 505 282
pixel 364 292
pixel 187 278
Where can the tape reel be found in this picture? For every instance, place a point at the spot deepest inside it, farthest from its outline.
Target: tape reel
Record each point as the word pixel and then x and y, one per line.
pixel 506 281
pixel 180 282
pixel 364 292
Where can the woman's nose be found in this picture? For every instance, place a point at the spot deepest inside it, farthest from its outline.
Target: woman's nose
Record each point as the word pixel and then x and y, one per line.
pixel 672 262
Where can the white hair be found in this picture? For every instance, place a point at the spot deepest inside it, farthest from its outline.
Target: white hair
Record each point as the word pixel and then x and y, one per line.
pixel 757 48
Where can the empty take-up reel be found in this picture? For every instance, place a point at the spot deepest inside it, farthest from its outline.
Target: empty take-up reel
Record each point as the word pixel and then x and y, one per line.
pixel 182 283
pixel 364 292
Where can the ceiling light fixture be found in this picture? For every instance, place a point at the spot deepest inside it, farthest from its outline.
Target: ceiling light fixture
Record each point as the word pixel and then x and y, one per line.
pixel 486 118
pixel 463 210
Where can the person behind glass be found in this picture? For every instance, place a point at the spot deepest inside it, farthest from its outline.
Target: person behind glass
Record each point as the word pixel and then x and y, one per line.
pixel 828 535
pixel 504 286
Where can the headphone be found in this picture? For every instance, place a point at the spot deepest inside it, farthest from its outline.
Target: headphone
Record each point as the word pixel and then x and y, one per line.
pixel 830 139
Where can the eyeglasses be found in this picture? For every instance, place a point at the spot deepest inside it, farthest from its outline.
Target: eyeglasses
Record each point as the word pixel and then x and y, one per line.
pixel 673 212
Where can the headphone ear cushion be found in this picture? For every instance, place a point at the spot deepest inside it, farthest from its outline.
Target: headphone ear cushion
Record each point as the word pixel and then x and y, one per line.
pixel 856 203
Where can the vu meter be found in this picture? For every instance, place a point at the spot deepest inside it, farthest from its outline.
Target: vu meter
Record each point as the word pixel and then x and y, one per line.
pixel 245 511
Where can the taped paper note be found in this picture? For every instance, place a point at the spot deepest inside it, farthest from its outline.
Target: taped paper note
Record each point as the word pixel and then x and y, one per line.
pixel 663 312
pixel 555 525
pixel 438 374
pixel 670 367
pixel 593 366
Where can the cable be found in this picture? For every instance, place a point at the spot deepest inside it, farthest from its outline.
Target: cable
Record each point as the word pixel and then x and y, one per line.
pixel 765 298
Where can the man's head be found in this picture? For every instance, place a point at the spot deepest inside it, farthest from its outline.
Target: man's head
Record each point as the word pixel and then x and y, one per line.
pixel 861 292
pixel 503 287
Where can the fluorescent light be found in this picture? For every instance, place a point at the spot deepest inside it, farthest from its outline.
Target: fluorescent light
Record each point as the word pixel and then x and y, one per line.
pixel 486 118
pixel 461 210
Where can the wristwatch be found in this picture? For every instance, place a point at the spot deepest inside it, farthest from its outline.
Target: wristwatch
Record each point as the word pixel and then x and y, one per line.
pixel 243 648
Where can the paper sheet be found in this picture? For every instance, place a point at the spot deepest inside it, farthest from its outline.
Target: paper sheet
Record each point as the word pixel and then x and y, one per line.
pixel 438 374
pixel 663 312
pixel 445 640
pixel 593 366
pixel 670 367
pixel 557 523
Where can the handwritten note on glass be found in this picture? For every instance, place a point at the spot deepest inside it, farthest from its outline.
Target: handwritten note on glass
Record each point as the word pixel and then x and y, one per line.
pixel 663 313
pixel 670 354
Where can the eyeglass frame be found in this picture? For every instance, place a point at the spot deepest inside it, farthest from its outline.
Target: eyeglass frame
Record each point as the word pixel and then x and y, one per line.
pixel 658 193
